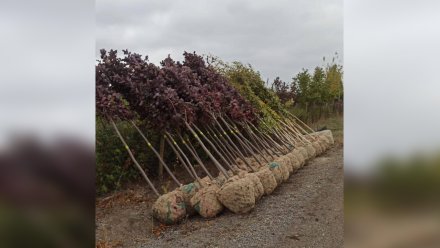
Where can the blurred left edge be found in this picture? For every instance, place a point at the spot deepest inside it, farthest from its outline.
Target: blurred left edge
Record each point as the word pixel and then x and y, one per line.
pixel 47 120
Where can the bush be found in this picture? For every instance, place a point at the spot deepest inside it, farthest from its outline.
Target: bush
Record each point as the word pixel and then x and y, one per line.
pixel 114 168
pixel 113 164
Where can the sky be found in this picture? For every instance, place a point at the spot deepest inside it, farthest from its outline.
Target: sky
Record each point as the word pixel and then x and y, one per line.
pixel 47 70
pixel 278 38
pixel 392 87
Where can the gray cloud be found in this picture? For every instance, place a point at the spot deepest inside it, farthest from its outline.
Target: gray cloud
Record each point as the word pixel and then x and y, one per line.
pixel 277 38
pixel 47 77
pixel 391 74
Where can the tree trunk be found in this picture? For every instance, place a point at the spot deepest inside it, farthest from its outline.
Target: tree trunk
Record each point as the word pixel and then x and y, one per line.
pixel 161 152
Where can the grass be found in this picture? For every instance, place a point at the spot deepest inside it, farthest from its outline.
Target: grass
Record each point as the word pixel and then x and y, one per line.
pixel 335 124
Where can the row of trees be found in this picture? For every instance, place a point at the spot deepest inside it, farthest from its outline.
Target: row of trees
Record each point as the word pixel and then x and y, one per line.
pixel 313 95
pixel 202 112
pixel 175 97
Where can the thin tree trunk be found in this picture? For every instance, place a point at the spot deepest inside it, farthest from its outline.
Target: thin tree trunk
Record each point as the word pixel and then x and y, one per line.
pixel 144 175
pixel 222 148
pixel 249 144
pixel 263 144
pixel 182 154
pixel 213 147
pixel 217 164
pixel 157 154
pixel 180 158
pixel 242 157
pixel 196 157
pixel 268 138
pixel 244 145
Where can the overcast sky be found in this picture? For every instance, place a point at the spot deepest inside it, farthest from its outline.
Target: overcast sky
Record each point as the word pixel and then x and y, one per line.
pixel 47 69
pixel 278 38
pixel 392 87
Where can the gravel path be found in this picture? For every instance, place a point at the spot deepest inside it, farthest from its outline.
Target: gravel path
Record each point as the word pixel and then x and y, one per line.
pixel 305 211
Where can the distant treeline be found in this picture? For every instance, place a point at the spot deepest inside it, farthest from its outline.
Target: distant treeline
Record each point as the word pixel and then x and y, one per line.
pixel 313 95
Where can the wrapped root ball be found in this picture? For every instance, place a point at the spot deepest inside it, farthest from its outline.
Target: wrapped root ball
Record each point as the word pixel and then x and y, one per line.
pixel 242 173
pixel 188 191
pixel 289 164
pixel 267 179
pixel 255 166
pixel 242 165
pixel 323 144
pixel 326 140
pixel 310 150
pixel 205 201
pixel 258 186
pixel 299 157
pixel 328 134
pixel 284 163
pixel 317 147
pixel 170 208
pixel 233 178
pixel 205 181
pixel 238 196
pixel 274 167
pixel 295 164
pixel 221 179
pixel 303 152
pixel 253 163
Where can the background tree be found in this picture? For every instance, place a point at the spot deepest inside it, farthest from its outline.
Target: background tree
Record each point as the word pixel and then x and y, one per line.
pixel 283 91
pixel 319 94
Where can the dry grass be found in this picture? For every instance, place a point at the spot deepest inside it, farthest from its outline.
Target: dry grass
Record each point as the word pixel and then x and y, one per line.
pixel 335 124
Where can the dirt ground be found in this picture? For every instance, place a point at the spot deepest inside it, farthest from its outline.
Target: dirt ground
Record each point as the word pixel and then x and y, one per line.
pixel 305 211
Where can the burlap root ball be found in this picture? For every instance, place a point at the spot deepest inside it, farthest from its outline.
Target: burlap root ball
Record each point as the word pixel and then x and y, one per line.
pixel 188 191
pixel 242 173
pixel 242 165
pixel 329 135
pixel 304 153
pixel 238 196
pixel 282 162
pixel 233 178
pixel 258 186
pixel 221 179
pixel 310 151
pixel 205 181
pixel 205 201
pixel 317 147
pixel 170 208
pixel 284 169
pixel 289 165
pixel 299 157
pixel 277 172
pixel 324 142
pixel 295 162
pixel 267 179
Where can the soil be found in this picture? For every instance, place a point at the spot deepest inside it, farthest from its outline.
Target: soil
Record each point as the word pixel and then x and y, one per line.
pixel 305 211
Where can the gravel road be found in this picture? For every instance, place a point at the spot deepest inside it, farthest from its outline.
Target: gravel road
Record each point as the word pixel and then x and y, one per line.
pixel 305 211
